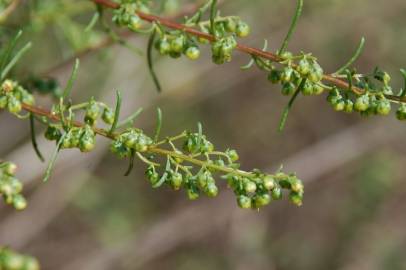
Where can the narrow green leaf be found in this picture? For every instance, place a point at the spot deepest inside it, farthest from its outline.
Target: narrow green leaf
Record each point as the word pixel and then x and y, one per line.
pixel 158 125
pixel 298 13
pixel 14 60
pixel 116 112
pixel 69 85
pixel 34 139
pixel 151 62
pixel 53 158
pixel 354 58
pixel 287 109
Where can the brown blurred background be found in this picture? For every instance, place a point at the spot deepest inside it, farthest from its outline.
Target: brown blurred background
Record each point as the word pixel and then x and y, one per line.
pixel 89 216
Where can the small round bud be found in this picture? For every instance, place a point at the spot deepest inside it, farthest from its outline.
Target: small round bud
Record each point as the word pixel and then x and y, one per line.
pixel 276 193
pixel 10 168
pixel 14 105
pixel 339 105
pixel 233 155
pixel 261 200
pixel 176 180
pixel 296 198
pixel 249 186
pixel 19 202
pixel 384 107
pixel 288 88
pixel 274 76
pixel 303 67
pixel 269 182
pixel 192 194
pixel 362 103
pixel 243 29
pixel 193 53
pixel 230 25
pixel 177 44
pixel 401 113
pixel 135 22
pixel 211 190
pixel 108 116
pixel 244 202
pixel 349 106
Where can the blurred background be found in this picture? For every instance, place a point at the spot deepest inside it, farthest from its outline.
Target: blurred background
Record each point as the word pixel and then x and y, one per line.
pixel 89 216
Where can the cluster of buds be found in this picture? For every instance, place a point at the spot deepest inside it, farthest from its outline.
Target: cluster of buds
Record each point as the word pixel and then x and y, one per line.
pixel 225 31
pixel 126 14
pixel 11 187
pixel 366 104
pixel 176 43
pixel 372 102
pixel 253 189
pixel 291 76
pixel 10 260
pixel 12 96
pixel 260 189
pixel 132 140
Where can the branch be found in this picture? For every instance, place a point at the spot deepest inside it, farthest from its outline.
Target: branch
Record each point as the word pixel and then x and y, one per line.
pixel 243 48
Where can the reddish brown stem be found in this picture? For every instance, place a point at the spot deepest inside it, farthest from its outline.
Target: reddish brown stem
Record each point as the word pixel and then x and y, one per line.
pixel 249 50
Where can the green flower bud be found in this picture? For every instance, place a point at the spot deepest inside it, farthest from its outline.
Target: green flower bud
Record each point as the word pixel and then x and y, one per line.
pixel 163 46
pixel 317 89
pixel 14 105
pixel 304 67
pixel 10 168
pixel 274 76
pixel 316 73
pixel 243 29
pixel 108 116
pixel 26 97
pixel 244 202
pixel 176 180
pixel 211 190
pixel 92 112
pixel 192 194
pixel 52 133
pixel 249 186
pixel 232 155
pixel 230 25
pixel 362 103
pixel 16 185
pixel 143 143
pixel 202 179
pixel 276 193
pixel 269 182
pixel 152 175
pixel 296 198
pixel 19 202
pixel 193 53
pixel 384 107
pixel 261 200
pixel 177 44
pixel 8 85
pixel 3 102
pixel 286 75
pixel 401 113
pixel 297 186
pixel 135 22
pixel 339 105
pixel 307 89
pixel 349 106
pixel 288 88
